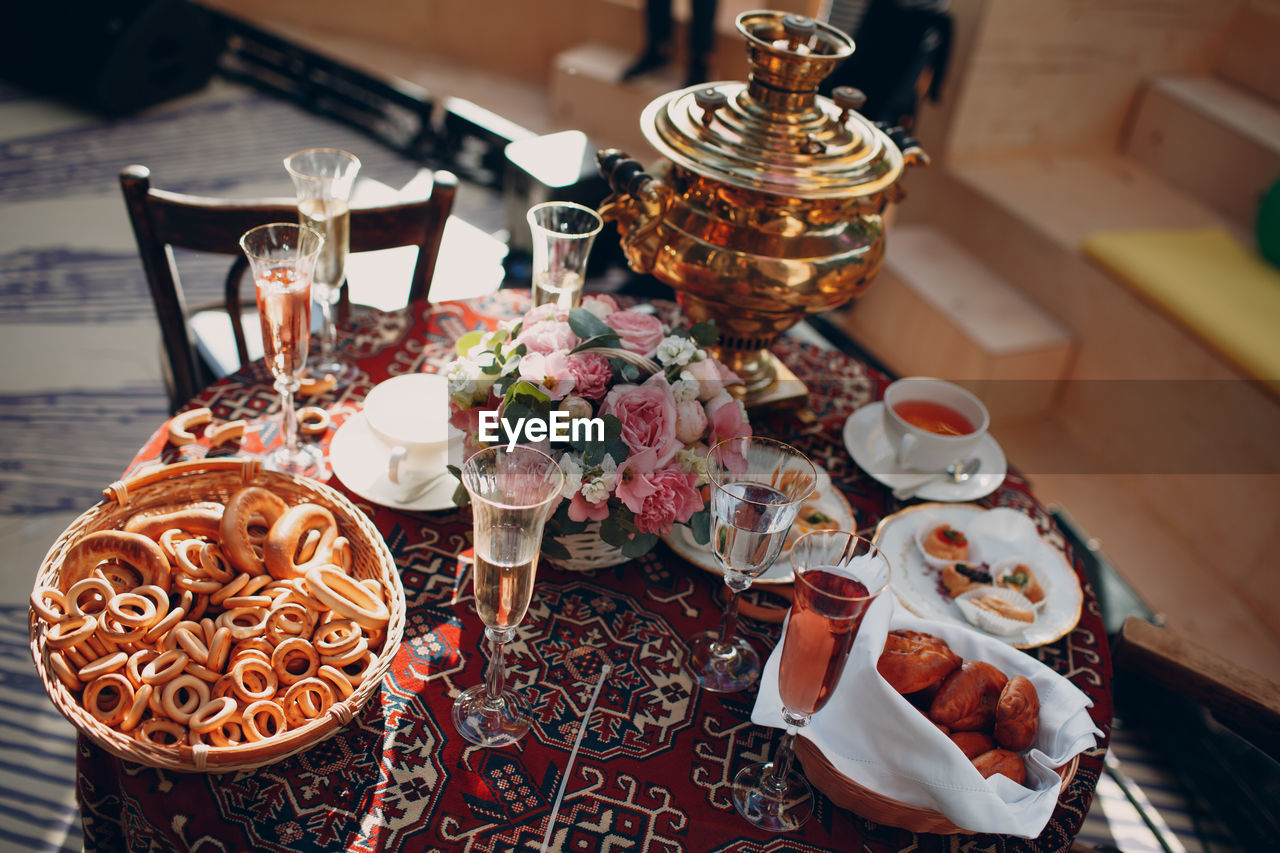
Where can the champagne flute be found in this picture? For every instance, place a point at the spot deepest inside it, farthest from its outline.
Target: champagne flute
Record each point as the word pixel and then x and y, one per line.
pixel 323 179
pixel 757 486
pixel 563 233
pixel 283 259
pixel 837 576
pixel 513 492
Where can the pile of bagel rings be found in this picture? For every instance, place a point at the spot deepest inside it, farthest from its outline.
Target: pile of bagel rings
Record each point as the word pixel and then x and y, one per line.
pixel 213 624
pixel 991 717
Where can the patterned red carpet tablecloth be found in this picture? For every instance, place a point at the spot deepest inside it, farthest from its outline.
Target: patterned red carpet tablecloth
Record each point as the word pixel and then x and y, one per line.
pixel 656 760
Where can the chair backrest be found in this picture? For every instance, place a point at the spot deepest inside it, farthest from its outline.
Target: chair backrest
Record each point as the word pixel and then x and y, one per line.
pixel 163 221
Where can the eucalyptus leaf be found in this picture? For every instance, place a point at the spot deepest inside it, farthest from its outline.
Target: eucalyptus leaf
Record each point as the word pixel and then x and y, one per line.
pixel 611 340
pixel 705 333
pixel 630 372
pixel 554 549
pixel 493 368
pixel 639 545
pixel 613 533
pixel 587 325
pixel 612 428
pixel 700 526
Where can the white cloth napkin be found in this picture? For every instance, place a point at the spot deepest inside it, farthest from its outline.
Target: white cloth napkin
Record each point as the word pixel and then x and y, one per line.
pixel 872 735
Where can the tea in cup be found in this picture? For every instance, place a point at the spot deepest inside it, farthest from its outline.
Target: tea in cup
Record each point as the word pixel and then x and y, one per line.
pixel 410 415
pixel 931 423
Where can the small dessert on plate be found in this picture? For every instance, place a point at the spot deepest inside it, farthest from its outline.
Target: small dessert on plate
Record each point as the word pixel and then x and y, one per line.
pixel 1016 573
pixel 997 609
pixel 943 544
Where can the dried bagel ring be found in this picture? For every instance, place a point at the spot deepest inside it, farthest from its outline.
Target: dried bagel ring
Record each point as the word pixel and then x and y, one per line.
pixel 294 660
pixel 254 679
pixel 313 420
pixel 284 540
pixel 133 609
pixel 198 519
pixel 110 630
pixel 70 631
pixel 230 733
pixel 311 385
pixel 165 667
pixel 358 670
pixel 263 719
pixel 248 508
pixel 334 638
pixel 89 596
pixel 347 656
pixel 212 714
pixel 219 650
pixel 186 557
pixel 165 625
pixel 64 671
pixel 337 679
pixel 182 696
pixel 102 666
pixel 49 604
pixel 245 622
pixel 224 432
pixel 305 700
pixel 215 564
pixel 136 663
pixel 141 699
pixel 158 731
pixel 191 644
pixel 100 693
pixel 141 555
pixel 342 594
pixel 229 589
pixel 180 425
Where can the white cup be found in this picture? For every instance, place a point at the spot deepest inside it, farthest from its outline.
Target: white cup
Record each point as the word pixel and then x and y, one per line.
pixel 410 415
pixel 918 449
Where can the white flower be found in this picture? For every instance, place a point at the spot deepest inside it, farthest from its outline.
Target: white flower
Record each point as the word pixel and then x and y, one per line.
pixel 693 460
pixel 599 487
pixel 463 376
pixel 572 475
pixel 675 350
pixel 684 390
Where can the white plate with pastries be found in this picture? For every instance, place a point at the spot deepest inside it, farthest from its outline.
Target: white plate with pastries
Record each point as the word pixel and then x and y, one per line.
pixel 1009 582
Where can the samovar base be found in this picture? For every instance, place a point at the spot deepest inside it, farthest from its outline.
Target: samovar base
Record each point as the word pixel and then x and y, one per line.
pixel 770 386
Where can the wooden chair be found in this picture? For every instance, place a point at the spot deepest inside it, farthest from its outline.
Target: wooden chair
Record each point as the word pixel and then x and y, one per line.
pixel 164 221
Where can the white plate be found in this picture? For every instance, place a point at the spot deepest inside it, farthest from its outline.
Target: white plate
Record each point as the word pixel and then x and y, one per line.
pixel 829 501
pixel 865 440
pixel 997 533
pixel 360 461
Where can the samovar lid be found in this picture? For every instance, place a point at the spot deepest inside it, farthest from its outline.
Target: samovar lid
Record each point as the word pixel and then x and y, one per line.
pixel 774 133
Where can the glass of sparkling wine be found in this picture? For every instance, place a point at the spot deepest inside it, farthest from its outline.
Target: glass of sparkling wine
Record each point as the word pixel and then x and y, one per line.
pixel 513 492
pixel 757 487
pixel 283 259
pixel 323 179
pixel 563 233
pixel 837 576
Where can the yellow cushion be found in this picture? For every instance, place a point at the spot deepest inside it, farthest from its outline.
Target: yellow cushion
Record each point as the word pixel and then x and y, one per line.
pixel 1210 282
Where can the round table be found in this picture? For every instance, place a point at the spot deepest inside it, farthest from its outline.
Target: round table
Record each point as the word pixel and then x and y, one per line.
pixel 656 760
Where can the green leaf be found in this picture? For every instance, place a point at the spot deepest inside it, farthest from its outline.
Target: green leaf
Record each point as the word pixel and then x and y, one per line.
pixel 554 549
pixel 613 533
pixel 612 429
pixel 467 341
pixel 639 545
pixel 587 325
pixel 493 368
pixel 705 334
pixel 700 525
pixel 610 340
pixel 569 527
pixel 630 372
pixel 511 366
pixel 618 450
pixel 525 388
pixel 593 454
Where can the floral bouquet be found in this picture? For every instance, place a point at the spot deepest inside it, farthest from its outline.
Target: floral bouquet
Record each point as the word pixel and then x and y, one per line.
pixel 655 396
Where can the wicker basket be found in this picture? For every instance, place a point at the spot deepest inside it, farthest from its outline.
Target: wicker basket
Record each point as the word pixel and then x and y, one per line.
pixel 847 794
pixel 587 551
pixel 217 480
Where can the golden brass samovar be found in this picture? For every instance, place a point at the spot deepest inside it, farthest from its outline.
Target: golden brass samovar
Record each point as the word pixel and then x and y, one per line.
pixel 768 205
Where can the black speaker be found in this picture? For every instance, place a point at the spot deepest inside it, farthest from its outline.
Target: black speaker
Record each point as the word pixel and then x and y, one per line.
pixel 111 56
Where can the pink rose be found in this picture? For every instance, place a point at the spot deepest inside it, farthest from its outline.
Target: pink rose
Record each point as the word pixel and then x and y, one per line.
pixel 592 374
pixel 727 418
pixel 648 415
pixel 691 421
pixel 600 304
pixel 633 479
pixel 581 509
pixel 639 332
pixel 547 336
pixel 671 500
pixel 711 376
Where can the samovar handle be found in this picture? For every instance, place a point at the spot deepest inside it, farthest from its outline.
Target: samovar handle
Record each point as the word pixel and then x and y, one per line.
pixel 638 204
pixel 912 153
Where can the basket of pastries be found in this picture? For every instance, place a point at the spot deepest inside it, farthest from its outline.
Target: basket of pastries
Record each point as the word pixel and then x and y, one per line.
pixel 211 616
pixel 937 728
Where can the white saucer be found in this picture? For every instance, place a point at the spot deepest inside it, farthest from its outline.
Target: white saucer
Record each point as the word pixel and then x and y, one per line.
pixel 864 438
pixel 360 461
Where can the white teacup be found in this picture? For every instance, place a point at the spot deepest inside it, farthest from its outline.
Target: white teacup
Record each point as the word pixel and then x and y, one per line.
pixel 410 415
pixel 917 448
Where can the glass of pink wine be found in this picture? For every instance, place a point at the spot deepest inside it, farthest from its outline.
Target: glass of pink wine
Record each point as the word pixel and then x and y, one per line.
pixel 283 259
pixel 757 487
pixel 837 576
pixel 323 179
pixel 513 492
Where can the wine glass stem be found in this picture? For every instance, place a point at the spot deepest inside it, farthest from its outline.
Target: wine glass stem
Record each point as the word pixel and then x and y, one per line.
pixel 776 779
pixel 495 677
pixel 729 619
pixel 328 326
pixel 290 417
